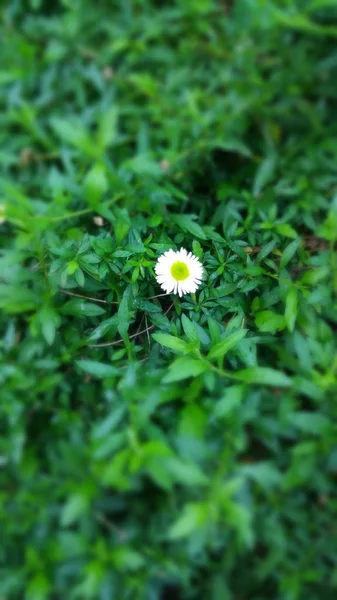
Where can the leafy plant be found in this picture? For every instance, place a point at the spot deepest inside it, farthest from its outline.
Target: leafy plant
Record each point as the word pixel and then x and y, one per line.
pixel 153 446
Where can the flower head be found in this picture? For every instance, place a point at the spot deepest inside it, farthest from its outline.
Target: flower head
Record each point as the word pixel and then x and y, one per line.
pixel 178 272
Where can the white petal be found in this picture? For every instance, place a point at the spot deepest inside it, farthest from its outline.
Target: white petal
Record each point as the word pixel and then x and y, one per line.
pixel 169 283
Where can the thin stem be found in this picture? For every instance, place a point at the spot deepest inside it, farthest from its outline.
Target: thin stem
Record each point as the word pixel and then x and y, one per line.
pixel 86 297
pixel 134 335
pixel 158 296
pixel 216 369
pixel 77 213
pixel 111 526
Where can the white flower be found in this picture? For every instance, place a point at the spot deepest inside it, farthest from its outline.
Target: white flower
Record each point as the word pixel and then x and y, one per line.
pixel 178 272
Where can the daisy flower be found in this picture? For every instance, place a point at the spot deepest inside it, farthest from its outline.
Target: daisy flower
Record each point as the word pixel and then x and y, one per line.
pixel 178 272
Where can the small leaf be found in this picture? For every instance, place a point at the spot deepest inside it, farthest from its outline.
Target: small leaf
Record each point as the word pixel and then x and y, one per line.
pixel 103 328
pixel 97 369
pixel 80 308
pixel 123 318
pixel 287 230
pixel 289 252
pixel 169 341
pixel 186 473
pixel 189 329
pixel 264 174
pixel 79 276
pixel 291 309
pixel 187 223
pixel 231 399
pixel 95 185
pixel 72 266
pixel 183 368
pixel 49 320
pixel 106 133
pixel 264 376
pixel 193 517
pixel 73 509
pixel 310 422
pixel 221 349
pixel 269 321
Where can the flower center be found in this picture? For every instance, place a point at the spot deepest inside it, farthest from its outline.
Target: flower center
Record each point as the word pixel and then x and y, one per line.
pixel 179 271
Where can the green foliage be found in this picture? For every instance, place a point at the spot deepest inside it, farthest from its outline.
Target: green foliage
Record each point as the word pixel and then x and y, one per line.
pixel 158 447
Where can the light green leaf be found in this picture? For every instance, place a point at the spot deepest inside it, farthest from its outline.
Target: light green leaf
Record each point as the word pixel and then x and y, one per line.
pixel 291 309
pixel 193 517
pixel 269 321
pixel 107 127
pixel 169 341
pixel 308 422
pixel 49 320
pixel 187 223
pixel 231 399
pixel 189 329
pixel 287 230
pixel 95 184
pixel 289 252
pixel 264 376
pixel 264 174
pixel 186 473
pixel 123 318
pixel 183 368
pixel 221 349
pixel 72 266
pixel 73 509
pixel 97 369
pixel 80 308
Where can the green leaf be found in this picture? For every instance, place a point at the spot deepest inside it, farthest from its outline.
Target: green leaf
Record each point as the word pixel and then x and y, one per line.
pixel 80 308
pixel 264 473
pixel 264 174
pixel 169 341
pixel 73 509
pixel 289 252
pixel 73 133
pixel 231 400
pixel 268 321
pixel 49 320
pixel 123 318
pixel 97 369
pixel 104 327
pixel 291 309
pixel 95 185
pixel 310 422
pixel 72 266
pixel 264 376
pixel 183 368
pixel 126 559
pixel 287 230
pixel 107 128
pixel 186 473
pixel 315 275
pixel 187 223
pixel 189 329
pixel 193 517
pixel 221 349
pixel 79 276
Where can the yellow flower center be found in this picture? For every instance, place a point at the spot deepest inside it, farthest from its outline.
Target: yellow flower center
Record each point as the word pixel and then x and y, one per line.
pixel 179 271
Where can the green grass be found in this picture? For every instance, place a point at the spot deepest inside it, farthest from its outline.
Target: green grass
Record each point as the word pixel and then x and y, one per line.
pixel 160 448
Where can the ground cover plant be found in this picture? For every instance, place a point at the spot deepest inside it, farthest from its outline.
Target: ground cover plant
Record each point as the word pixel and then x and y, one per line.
pixel 158 447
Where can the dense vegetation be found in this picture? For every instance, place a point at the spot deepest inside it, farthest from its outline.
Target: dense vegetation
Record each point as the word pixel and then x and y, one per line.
pixel 166 448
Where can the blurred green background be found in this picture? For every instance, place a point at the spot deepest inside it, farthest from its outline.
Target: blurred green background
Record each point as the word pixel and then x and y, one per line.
pixel 161 448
